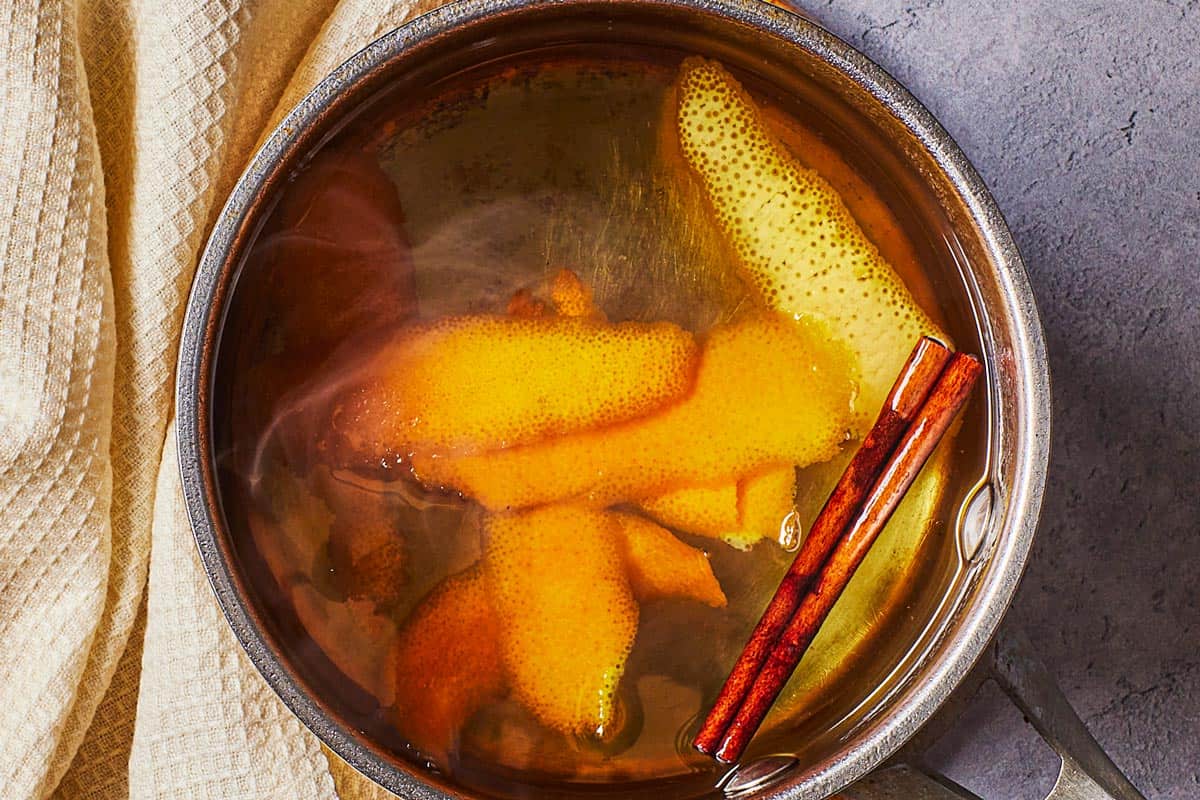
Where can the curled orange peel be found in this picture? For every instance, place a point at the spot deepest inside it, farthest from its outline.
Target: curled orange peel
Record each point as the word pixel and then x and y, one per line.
pixel 765 500
pixel 559 637
pixel 702 509
pixel 446 663
pixel 567 613
pixel 659 566
pixel 741 512
pixel 768 390
pixel 794 238
pixel 475 383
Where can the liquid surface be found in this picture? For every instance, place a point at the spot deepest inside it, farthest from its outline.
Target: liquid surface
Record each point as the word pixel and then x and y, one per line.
pixel 451 208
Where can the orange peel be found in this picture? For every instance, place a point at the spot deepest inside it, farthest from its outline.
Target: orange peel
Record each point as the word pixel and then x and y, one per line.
pixel 659 566
pixel 523 303
pixel 794 237
pixel 446 663
pixel 703 509
pixel 768 390
pixel 764 502
pixel 571 296
pixel 741 513
pixel 568 615
pixel 469 384
pixel 366 549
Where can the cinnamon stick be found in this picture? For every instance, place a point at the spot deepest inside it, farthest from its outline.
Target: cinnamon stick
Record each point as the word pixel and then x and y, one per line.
pixel 948 396
pixel 917 377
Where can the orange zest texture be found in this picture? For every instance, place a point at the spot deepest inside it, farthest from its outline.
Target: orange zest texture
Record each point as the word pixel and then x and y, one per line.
pixel 768 391
pixel 558 583
pixel 469 384
pixel 660 567
pixel 551 415
pixel 520 619
pixel 446 662
pixel 794 237
pixel 741 513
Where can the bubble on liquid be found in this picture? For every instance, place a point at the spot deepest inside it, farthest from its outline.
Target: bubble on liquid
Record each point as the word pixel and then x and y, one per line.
pixel 791 532
pixel 975 522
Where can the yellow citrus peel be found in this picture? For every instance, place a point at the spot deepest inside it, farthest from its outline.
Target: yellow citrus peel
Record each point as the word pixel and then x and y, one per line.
pixel 446 662
pixel 741 513
pixel 794 238
pixel 767 391
pixel 703 509
pixel 764 502
pixel 567 613
pixel 475 383
pixel 659 566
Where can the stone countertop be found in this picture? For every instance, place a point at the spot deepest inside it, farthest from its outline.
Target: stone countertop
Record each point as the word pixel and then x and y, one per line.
pixel 1084 119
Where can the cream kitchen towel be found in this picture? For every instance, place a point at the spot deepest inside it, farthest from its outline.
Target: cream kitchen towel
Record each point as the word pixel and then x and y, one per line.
pixel 123 125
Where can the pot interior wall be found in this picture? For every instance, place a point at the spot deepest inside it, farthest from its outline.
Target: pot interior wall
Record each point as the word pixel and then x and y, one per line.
pixel 959 260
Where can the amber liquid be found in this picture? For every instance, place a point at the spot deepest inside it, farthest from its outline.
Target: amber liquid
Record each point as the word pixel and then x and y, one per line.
pixel 495 180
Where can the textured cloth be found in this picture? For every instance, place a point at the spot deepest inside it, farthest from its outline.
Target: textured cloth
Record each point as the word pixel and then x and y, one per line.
pixel 125 123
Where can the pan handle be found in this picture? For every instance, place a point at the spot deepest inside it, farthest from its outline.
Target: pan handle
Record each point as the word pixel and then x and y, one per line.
pixel 1087 772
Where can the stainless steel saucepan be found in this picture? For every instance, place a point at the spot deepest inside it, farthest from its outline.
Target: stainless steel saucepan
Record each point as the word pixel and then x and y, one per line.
pixel 787 53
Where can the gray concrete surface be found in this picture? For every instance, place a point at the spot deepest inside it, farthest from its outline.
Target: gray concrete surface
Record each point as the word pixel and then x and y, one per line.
pixel 1084 119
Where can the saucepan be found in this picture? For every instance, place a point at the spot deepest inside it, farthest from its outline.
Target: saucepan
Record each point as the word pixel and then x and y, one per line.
pixel 787 53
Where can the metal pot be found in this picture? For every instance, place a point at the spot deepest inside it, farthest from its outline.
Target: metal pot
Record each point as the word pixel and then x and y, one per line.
pixel 782 49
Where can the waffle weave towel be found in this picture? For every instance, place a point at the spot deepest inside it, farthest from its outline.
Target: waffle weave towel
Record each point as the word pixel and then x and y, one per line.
pixel 123 125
